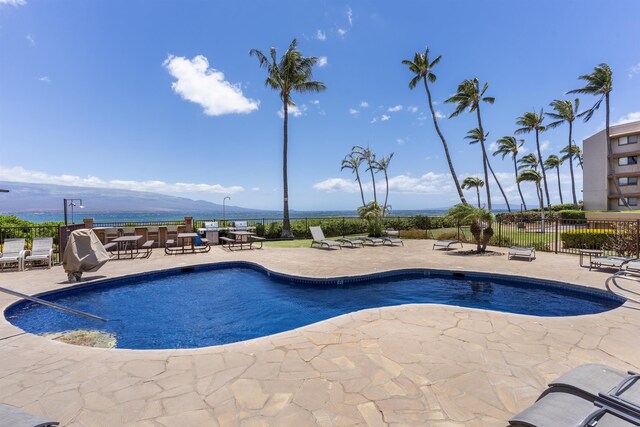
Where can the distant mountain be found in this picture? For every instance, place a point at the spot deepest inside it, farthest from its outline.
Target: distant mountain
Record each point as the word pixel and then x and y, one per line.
pixel 26 197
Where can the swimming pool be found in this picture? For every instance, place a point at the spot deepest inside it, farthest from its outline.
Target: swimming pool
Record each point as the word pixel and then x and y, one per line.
pixel 230 302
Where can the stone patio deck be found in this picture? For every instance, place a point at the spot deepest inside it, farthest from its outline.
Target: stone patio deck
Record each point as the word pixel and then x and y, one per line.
pixel 411 365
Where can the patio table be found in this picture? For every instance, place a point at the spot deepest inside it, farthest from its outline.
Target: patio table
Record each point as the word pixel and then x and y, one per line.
pixel 125 242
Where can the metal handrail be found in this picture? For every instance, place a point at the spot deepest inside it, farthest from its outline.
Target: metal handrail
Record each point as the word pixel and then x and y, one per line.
pixel 50 304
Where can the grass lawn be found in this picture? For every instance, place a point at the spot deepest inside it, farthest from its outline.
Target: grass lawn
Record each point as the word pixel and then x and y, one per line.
pixel 289 244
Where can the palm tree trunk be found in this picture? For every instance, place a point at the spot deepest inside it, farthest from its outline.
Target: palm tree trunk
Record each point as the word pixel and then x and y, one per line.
pixel 559 186
pixel 541 200
pixel 478 193
pixel 544 174
pixel 373 180
pixel 286 225
pixel 573 182
pixel 444 144
pixel 499 186
pixel 515 167
pixel 386 196
pixel 360 185
pixel 484 159
pixel 610 156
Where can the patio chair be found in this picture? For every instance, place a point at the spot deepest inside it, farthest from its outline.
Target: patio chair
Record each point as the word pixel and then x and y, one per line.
pixel 610 262
pixel 353 242
pixel 518 252
pixel 392 237
pixel 446 244
pixel 371 240
pixel 319 239
pixel 14 417
pixel 41 250
pixel 13 253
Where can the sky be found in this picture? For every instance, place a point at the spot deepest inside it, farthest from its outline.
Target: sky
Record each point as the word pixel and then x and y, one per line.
pixel 164 96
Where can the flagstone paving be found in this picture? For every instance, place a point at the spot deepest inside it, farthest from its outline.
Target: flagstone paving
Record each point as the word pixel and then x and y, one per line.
pixel 411 365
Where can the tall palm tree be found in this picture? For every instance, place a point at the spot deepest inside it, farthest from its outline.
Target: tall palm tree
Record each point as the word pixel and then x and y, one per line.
pixel 600 83
pixel 572 151
pixel 352 162
pixel 508 145
pixel 382 165
pixel 532 121
pixel 422 67
pixel 292 73
pixel 534 176
pixel 468 97
pixel 530 161
pixel 554 162
pixel 473 182
pixel 474 136
pixel 366 155
pixel 565 111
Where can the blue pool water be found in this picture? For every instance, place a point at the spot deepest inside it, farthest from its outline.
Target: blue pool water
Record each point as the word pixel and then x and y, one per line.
pixel 215 305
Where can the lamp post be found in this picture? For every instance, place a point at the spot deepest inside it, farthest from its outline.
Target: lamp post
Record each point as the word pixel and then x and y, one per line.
pixel 224 213
pixel 71 203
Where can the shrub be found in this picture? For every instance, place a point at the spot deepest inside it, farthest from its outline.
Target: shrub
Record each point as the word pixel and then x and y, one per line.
pixel 413 233
pixel 571 214
pixel 586 239
pixel 447 235
pixel 500 241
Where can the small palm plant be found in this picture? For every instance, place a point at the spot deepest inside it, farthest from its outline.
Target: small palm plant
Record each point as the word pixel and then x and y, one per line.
pixel 508 145
pixel 565 111
pixel 554 162
pixel 352 162
pixel 468 97
pixel 531 175
pixel 372 212
pixel 382 165
pixel 473 182
pixel 532 121
pixel 292 73
pixel 422 67
pixel 572 152
pixel 480 222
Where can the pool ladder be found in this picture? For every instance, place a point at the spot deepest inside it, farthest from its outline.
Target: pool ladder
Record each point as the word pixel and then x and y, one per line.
pixel 50 304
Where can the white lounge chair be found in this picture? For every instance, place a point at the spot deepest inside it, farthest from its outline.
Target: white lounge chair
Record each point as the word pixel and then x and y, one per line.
pixel 319 239
pixel 446 244
pixel 14 417
pixel 41 250
pixel 13 253
pixel 610 262
pixel 371 240
pixel 518 252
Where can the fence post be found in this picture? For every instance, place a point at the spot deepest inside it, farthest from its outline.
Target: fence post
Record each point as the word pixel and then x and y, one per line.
pixel 343 226
pixel 458 225
pixel 556 245
pixel 499 233
pixel 306 225
pixel 637 238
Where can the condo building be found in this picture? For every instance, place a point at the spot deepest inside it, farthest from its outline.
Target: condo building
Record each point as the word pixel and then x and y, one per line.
pixel 599 192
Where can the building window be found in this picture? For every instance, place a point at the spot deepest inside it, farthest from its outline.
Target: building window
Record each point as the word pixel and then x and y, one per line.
pixel 632 201
pixel 631 160
pixel 631 180
pixel 626 140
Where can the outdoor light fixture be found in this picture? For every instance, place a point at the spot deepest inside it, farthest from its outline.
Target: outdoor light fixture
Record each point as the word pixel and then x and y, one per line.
pixel 71 203
pixel 223 207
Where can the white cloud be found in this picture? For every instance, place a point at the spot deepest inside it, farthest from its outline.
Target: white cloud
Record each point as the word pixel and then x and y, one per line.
pixel 293 110
pixel 364 104
pixel 20 174
pixel 350 16
pixel 321 35
pixel 205 86
pixel 412 109
pixel 395 109
pixel 255 189
pixel 627 118
pixel 493 146
pixel 384 118
pixel 401 141
pixel 342 32
pixel 14 2
pixel 375 119
pixel 544 145
pixel 422 117
pixel 332 185
pixel 353 111
pixel 429 183
pixel 322 61
pixel 45 79
pixel 440 114
pixel 315 102
pixel 634 70
pixel 31 40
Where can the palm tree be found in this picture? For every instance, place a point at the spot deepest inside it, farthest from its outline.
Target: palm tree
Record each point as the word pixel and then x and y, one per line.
pixel 534 176
pixel 382 165
pixel 600 83
pixel 352 162
pixel 508 145
pixel 532 121
pixel 473 182
pixel 530 161
pixel 468 97
pixel 292 73
pixel 572 151
pixel 474 135
pixel 554 162
pixel 422 67
pixel 480 223
pixel 565 111
pixel 365 154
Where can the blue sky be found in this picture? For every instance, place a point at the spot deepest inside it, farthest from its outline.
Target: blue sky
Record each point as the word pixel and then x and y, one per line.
pixel 163 96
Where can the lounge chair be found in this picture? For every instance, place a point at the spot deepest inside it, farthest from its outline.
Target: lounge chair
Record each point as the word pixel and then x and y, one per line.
pixel 14 417
pixel 41 250
pixel 392 240
pixel 353 242
pixel 518 252
pixel 13 253
pixel 446 244
pixel 610 262
pixel 371 240
pixel 319 239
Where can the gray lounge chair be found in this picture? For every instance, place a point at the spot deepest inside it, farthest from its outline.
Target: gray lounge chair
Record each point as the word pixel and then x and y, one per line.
pixel 13 253
pixel 519 252
pixel 13 417
pixel 371 240
pixel 319 239
pixel 41 250
pixel 446 244
pixel 610 262
pixel 353 242
pixel 392 240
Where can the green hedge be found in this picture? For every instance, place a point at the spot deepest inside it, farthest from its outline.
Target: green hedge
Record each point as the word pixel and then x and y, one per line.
pixel 586 239
pixel 571 214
